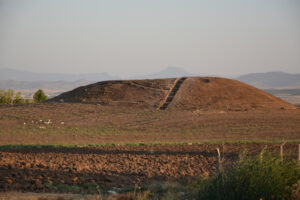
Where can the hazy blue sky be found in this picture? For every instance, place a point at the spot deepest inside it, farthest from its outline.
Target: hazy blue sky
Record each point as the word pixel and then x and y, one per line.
pixel 132 37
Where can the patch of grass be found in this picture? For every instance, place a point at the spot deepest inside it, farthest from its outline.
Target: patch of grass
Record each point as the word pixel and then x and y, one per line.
pixel 253 178
pixel 43 129
pixel 168 191
pixel 39 146
pixel 65 187
pixel 34 146
pixel 91 186
pixel 17 117
pixel 76 188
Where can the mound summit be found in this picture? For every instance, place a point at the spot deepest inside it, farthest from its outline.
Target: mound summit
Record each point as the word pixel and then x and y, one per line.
pixel 188 93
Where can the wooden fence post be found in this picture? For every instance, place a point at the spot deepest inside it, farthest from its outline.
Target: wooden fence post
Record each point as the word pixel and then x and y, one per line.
pixel 262 152
pixel 299 155
pixel 281 150
pixel 218 161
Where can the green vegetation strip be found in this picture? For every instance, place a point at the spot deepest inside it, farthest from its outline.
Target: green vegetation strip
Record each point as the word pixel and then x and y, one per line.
pixel 39 146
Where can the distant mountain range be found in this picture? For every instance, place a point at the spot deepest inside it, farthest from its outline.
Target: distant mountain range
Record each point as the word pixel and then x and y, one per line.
pixel 17 75
pixel 55 83
pixel 272 80
pixel 51 88
pixel 283 85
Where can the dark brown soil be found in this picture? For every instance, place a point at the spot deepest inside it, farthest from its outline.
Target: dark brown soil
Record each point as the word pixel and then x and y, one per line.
pixel 115 166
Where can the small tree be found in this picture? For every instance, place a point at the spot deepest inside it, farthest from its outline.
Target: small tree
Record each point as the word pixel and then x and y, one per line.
pixel 39 96
pixel 18 99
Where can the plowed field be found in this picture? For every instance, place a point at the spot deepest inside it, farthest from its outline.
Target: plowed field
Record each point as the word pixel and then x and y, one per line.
pixel 42 169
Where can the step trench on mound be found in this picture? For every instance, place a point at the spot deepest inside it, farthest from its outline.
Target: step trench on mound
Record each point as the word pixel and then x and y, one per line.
pixel 170 96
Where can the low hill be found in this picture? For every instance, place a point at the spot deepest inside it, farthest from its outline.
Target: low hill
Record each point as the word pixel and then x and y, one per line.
pixel 192 93
pixel 20 75
pixel 272 80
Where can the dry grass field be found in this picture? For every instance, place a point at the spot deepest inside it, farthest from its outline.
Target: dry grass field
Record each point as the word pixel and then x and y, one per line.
pixel 78 123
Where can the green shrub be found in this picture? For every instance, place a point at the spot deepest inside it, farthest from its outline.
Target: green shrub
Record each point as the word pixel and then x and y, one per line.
pixel 28 101
pixel 9 97
pixel 18 99
pixel 39 96
pixel 253 179
pixel 6 97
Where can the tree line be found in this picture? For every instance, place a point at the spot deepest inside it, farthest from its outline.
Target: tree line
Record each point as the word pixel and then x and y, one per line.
pixel 10 97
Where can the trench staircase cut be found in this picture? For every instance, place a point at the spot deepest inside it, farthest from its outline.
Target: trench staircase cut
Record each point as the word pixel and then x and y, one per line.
pixel 172 92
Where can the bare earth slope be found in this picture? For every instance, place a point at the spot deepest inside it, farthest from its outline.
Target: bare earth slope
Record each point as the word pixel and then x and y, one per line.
pixel 193 93
pixel 224 94
pixel 145 93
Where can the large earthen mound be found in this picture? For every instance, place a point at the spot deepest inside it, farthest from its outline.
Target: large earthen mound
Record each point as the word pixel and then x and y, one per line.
pixel 192 93
pixel 147 93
